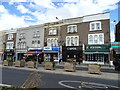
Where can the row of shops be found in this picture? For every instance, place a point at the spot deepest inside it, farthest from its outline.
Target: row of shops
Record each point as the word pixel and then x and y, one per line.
pixel 89 54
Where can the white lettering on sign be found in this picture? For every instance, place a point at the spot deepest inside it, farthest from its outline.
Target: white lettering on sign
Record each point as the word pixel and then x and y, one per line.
pixel 71 49
pixel 95 47
pixel 47 48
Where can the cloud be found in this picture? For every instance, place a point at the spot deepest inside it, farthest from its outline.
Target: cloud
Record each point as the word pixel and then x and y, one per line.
pixel 11 2
pixel 2 9
pixel 45 3
pixel 22 9
pixel 46 11
pixel 10 21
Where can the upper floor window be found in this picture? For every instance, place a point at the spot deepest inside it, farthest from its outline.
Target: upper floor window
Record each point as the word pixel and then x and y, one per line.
pixel 22 36
pixel 72 41
pixel 36 34
pixel 96 38
pixel 52 31
pixel 52 42
pixel 36 43
pixel 10 36
pixel 95 26
pixel 21 45
pixel 72 29
pixel 9 45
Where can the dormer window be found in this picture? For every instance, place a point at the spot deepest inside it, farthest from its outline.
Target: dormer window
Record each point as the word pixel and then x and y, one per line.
pixel 72 29
pixel 95 26
pixel 52 31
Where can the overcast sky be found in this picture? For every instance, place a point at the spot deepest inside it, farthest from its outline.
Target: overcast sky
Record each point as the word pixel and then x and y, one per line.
pixel 15 14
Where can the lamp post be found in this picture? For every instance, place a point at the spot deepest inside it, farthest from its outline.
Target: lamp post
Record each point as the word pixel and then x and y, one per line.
pixel 114 29
pixel 37 59
pixel 58 36
pixel 4 47
pixel 14 53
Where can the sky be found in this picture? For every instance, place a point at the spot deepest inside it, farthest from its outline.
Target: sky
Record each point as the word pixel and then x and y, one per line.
pixel 22 13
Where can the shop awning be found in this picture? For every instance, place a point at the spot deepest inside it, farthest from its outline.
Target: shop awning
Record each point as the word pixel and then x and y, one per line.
pixel 96 52
pixel 32 53
pixel 29 53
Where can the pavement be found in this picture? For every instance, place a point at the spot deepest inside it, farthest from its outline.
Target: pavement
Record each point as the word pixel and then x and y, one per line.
pixel 107 72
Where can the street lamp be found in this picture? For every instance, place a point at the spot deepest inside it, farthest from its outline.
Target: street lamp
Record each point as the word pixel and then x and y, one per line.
pixel 37 53
pixel 114 22
pixel 4 47
pixel 58 35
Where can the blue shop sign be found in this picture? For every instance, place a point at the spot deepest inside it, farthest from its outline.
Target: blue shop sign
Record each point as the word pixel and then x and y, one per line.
pixel 55 48
pixel 52 50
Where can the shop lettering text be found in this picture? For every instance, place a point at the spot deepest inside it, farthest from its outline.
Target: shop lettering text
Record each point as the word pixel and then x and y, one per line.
pixel 71 49
pixel 93 47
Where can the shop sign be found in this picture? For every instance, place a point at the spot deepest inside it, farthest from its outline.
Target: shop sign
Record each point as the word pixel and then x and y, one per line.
pixel 56 48
pixel 72 48
pixel 2 50
pixel 93 47
pixel 47 48
pixel 97 48
pixel 115 44
pixel 9 50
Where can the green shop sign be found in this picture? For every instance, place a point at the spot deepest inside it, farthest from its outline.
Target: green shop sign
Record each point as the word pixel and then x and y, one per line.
pixel 97 48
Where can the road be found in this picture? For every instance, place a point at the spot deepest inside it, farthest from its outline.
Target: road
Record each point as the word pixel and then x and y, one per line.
pixel 49 80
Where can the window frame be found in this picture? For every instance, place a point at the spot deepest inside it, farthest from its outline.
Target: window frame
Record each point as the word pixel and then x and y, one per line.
pixel 74 41
pixel 95 26
pixel 52 31
pixel 9 45
pixel 22 36
pixel 71 31
pixel 98 38
pixel 10 36
pixel 52 42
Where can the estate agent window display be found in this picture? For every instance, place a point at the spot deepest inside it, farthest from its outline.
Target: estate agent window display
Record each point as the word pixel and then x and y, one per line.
pixel 50 57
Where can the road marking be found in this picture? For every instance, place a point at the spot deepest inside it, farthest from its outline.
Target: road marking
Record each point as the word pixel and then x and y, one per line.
pixel 61 83
pixel 93 85
pixel 5 85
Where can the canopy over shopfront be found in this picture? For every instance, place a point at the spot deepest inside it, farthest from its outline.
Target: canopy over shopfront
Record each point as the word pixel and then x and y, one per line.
pixel 33 52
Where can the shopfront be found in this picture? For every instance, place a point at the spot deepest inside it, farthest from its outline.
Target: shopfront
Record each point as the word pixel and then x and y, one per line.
pixel 116 47
pixel 1 54
pixel 20 54
pixel 98 54
pixel 33 54
pixel 51 53
pixel 9 53
pixel 72 52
